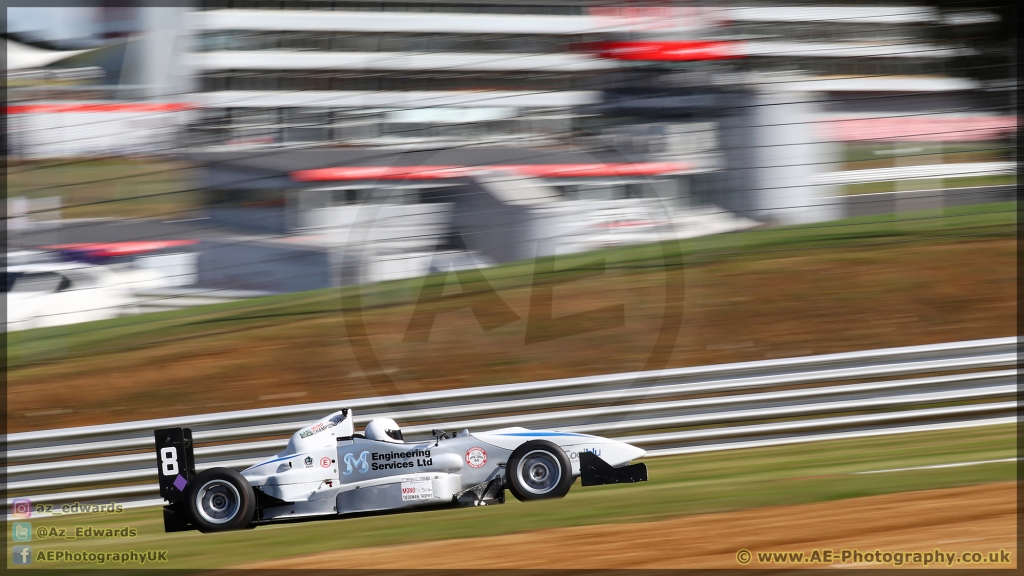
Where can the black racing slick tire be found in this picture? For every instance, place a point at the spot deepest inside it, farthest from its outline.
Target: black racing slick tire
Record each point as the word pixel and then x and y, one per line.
pixel 538 470
pixel 220 499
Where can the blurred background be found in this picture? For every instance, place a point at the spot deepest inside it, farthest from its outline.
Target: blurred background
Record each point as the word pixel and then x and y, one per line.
pixel 219 152
pixel 162 159
pixel 727 116
pixel 232 205
pixel 578 125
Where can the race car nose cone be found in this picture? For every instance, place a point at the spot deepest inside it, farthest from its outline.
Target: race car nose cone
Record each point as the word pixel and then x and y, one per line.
pixel 632 452
pixel 618 453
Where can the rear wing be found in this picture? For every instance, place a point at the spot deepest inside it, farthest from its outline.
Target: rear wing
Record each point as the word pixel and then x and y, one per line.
pixel 175 469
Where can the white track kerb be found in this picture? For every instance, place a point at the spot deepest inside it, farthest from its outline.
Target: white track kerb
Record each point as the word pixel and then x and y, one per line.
pixel 673 411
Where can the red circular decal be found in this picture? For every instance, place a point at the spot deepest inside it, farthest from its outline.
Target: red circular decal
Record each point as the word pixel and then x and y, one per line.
pixel 476 457
pixel 325 462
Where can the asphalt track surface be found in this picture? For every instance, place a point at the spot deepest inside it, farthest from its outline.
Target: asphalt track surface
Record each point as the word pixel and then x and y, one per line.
pixel 979 518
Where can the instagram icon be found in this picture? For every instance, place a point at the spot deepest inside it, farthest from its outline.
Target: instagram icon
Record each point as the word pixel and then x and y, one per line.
pixel 21 508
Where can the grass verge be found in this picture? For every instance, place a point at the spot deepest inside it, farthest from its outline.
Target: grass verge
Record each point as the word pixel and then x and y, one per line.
pixel 861 283
pixel 109 187
pixel 679 486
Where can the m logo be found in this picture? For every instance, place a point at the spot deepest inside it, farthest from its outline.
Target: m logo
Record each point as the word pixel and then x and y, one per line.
pixel 351 462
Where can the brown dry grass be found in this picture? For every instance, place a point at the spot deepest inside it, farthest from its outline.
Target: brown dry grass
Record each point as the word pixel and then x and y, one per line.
pixel 968 519
pixel 778 304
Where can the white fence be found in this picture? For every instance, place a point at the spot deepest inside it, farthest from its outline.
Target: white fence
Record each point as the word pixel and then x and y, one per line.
pixel 674 411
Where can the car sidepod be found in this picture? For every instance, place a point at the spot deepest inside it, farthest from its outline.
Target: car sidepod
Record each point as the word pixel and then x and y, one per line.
pixel 376 476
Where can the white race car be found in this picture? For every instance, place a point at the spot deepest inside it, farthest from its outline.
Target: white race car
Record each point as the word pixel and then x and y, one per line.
pixel 328 470
pixel 59 293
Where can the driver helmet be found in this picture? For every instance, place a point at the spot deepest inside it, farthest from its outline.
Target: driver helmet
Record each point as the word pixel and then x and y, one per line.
pixel 384 430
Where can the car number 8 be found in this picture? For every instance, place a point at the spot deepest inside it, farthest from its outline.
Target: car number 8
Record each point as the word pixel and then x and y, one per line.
pixel 169 461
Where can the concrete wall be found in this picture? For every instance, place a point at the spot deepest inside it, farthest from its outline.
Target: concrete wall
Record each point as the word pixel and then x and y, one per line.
pixel 790 152
pixel 771 149
pixel 71 131
pixel 385 227
pixel 387 267
pixel 731 188
pixel 488 224
pixel 519 218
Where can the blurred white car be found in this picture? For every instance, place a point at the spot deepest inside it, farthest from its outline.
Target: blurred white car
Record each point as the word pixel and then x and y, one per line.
pixel 58 293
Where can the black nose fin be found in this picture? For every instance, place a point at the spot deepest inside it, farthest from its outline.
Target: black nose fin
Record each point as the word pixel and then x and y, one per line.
pixel 594 471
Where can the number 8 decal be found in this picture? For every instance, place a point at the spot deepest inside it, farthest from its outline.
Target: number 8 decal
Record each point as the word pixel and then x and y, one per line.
pixel 169 461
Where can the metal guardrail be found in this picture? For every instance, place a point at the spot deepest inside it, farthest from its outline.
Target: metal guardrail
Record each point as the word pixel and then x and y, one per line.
pixel 674 411
pixel 950 170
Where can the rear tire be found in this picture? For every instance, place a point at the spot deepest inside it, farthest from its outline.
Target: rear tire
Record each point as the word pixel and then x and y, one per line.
pixel 220 499
pixel 538 470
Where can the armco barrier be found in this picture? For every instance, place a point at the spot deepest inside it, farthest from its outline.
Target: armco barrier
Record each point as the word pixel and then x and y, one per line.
pixel 673 411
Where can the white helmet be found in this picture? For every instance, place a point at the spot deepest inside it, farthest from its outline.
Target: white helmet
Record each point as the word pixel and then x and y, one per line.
pixel 384 430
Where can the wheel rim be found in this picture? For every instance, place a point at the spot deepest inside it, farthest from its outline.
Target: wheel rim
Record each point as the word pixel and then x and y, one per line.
pixel 538 472
pixel 218 501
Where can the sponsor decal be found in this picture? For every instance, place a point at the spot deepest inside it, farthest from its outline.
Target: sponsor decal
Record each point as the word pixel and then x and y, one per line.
pixel 418 488
pixel 352 463
pixel 316 429
pixel 325 462
pixel 476 457
pixel 576 455
pixel 398 460
pixel 309 461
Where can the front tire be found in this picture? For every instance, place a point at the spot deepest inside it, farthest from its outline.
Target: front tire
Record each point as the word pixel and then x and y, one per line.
pixel 220 499
pixel 538 470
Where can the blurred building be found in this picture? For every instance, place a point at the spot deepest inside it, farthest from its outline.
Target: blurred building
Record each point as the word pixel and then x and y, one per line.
pixel 737 91
pixel 383 129
pixel 436 113
pixel 396 74
pixel 780 89
pixel 125 93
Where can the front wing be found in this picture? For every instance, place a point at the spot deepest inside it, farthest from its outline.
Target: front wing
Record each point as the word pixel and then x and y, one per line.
pixel 594 471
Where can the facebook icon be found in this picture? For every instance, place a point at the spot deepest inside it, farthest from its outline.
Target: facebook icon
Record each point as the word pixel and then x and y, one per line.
pixel 21 554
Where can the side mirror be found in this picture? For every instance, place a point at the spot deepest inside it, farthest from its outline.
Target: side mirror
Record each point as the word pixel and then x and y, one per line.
pixel 439 435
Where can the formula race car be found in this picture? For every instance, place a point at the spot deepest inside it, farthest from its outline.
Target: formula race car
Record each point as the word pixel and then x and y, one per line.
pixel 328 470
